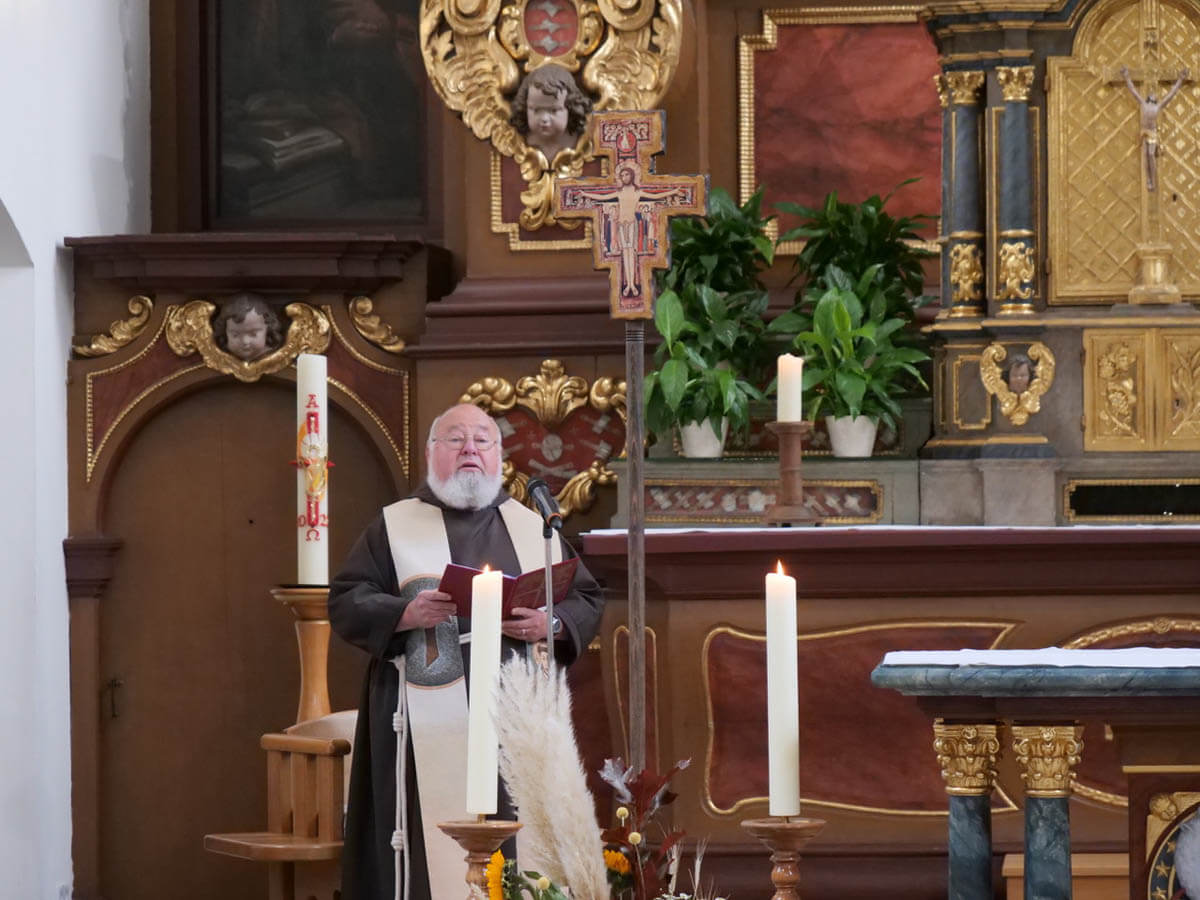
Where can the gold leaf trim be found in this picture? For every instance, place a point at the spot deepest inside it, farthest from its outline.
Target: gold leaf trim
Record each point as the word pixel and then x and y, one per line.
pixel 371 327
pixel 967 757
pixel 1015 82
pixel 189 330
pixel 1018 408
pixel 120 332
pixel 1047 756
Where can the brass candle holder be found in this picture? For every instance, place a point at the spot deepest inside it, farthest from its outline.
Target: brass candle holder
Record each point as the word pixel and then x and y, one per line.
pixel 310 606
pixel 789 508
pixel 480 839
pixel 785 838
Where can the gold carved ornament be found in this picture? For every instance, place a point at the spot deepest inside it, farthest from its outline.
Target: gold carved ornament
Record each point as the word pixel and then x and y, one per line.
pixel 967 757
pixel 1015 82
pixel 371 327
pixel 1018 407
pixel 1016 269
pixel 551 396
pixel 1118 390
pixel 189 330
pixel 1047 756
pixel 965 87
pixel 120 332
pixel 1183 363
pixel 966 273
pixel 477 51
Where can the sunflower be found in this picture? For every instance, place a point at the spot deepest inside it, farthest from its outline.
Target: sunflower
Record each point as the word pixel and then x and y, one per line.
pixel 495 876
pixel 616 861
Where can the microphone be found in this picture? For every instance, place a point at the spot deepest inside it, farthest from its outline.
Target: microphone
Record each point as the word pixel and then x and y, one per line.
pixel 546 505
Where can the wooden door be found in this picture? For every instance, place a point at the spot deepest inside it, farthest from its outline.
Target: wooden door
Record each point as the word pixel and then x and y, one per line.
pixel 201 659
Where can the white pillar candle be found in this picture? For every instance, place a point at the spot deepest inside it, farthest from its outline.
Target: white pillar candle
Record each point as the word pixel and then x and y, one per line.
pixel 312 470
pixel 482 742
pixel 783 696
pixel 789 405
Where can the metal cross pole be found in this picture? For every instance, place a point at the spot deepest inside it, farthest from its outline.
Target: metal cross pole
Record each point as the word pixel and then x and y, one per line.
pixel 630 208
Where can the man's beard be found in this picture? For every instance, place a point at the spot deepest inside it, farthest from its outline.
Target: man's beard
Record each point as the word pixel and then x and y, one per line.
pixel 466 489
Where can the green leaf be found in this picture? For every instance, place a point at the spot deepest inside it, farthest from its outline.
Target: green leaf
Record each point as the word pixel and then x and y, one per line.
pixel 673 378
pixel 668 316
pixel 726 332
pixel 713 302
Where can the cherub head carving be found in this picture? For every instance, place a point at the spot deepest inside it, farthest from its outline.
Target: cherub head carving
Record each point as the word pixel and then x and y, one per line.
pixel 550 111
pixel 247 327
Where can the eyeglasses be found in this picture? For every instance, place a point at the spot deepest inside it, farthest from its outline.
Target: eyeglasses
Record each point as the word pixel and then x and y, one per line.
pixel 457 441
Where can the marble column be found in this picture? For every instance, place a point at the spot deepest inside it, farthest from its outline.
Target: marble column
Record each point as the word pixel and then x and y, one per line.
pixel 967 756
pixel 1016 239
pixel 1047 756
pixel 965 237
pixel 943 92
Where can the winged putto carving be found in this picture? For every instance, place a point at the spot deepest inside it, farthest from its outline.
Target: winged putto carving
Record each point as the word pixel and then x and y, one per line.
pixel 1019 386
pixel 484 57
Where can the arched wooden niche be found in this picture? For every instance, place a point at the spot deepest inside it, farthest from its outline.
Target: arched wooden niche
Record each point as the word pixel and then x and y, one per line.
pixel 556 427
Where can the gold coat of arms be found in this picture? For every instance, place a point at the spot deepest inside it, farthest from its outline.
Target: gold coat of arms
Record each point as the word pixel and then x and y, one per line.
pixel 525 75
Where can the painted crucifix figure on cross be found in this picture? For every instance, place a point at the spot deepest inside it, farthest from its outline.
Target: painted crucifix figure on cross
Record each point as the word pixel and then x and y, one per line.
pixel 630 210
pixel 631 207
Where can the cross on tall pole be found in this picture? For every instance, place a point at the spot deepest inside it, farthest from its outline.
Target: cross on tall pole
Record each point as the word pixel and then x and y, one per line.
pixel 630 209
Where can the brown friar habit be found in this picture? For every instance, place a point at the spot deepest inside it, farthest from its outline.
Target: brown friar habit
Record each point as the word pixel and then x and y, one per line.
pixel 364 609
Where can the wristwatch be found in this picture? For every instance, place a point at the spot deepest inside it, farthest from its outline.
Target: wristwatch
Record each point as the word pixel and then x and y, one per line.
pixel 556 625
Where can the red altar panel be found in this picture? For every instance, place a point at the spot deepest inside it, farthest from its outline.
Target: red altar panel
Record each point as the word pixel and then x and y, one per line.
pixel 850 108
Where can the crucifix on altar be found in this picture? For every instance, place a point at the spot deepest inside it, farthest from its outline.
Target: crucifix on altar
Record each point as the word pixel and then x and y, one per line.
pixel 1154 252
pixel 630 208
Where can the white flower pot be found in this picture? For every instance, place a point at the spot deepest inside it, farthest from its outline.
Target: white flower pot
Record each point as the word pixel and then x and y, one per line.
pixel 851 435
pixel 699 441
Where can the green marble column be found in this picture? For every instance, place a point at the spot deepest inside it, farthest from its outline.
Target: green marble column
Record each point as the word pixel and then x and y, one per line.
pixel 1047 756
pixel 967 756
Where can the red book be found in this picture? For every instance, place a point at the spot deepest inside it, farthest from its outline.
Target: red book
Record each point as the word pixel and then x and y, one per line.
pixel 527 590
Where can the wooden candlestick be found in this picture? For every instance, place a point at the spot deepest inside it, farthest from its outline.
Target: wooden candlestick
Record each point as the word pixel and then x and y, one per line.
pixel 789 508
pixel 310 606
pixel 785 837
pixel 480 839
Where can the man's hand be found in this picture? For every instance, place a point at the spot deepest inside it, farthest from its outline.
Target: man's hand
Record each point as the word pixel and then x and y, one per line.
pixel 526 624
pixel 427 609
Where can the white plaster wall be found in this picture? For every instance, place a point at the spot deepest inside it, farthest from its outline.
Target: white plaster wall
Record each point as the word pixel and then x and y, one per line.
pixel 74 99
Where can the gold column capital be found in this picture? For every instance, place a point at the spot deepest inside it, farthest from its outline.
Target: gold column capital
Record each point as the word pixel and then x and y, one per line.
pixel 943 90
pixel 965 86
pixel 1047 755
pixel 1015 82
pixel 967 756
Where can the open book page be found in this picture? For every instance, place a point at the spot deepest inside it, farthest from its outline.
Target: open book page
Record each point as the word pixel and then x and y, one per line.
pixel 526 590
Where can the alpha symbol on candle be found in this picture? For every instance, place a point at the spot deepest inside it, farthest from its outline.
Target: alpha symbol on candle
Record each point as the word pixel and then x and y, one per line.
pixel 312 458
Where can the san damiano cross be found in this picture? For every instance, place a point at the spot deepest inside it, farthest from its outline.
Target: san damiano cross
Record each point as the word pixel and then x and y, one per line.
pixel 630 211
pixel 630 208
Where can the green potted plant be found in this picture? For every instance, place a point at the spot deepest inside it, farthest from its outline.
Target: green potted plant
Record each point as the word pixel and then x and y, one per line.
pixel 714 355
pixel 853 371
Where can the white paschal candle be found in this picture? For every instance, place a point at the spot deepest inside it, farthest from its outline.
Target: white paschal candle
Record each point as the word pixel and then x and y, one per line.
pixel 312 474
pixel 482 742
pixel 789 398
pixel 783 696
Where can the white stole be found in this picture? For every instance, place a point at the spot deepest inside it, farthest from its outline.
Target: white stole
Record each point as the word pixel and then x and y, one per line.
pixel 435 718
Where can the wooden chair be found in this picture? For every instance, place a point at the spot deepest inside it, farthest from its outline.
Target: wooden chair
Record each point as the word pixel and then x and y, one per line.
pixel 308 775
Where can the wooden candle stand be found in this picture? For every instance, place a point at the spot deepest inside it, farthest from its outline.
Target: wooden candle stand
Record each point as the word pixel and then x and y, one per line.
pixel 480 840
pixel 789 508
pixel 310 606
pixel 785 838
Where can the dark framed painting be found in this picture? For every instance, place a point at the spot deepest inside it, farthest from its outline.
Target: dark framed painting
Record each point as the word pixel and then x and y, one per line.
pixel 318 113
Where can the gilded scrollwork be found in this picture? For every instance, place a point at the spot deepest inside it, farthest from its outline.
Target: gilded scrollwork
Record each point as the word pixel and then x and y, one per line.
pixel 966 273
pixel 943 90
pixel 371 327
pixel 1117 371
pixel 967 757
pixel 120 332
pixel 1016 271
pixel 189 330
pixel 1183 372
pixel 965 87
pixel 1047 756
pixel 476 52
pixel 1028 378
pixel 1015 82
pixel 550 397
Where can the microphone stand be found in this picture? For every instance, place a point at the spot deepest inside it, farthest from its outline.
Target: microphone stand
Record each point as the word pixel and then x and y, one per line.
pixel 548 536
